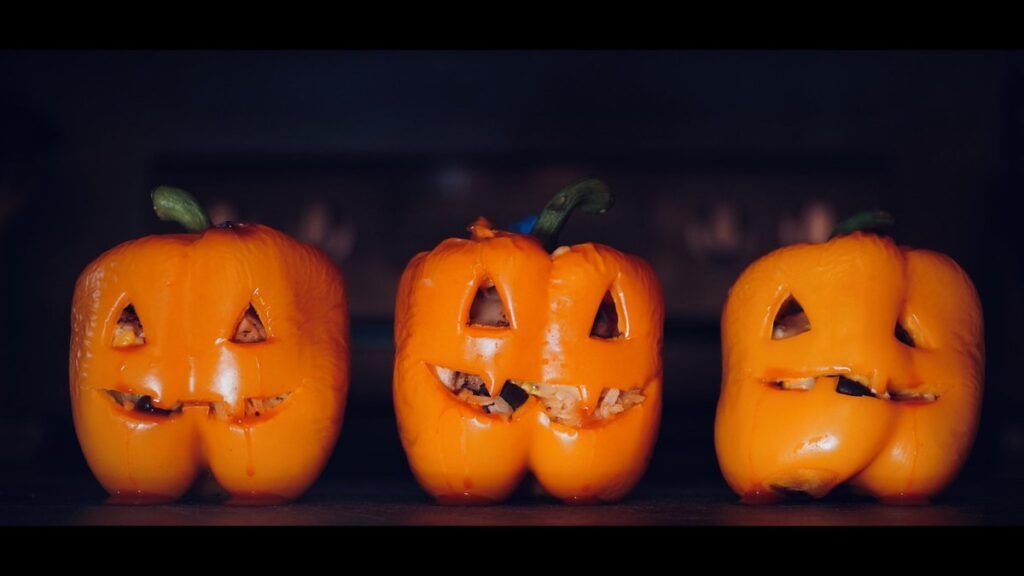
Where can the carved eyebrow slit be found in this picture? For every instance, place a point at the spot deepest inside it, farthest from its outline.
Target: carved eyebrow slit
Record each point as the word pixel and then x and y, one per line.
pixel 250 328
pixel 487 308
pixel 128 331
pixel 791 320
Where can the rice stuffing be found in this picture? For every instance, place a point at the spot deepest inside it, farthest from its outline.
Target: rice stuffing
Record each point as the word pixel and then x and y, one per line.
pixel 614 401
pixel 260 406
pixel 560 402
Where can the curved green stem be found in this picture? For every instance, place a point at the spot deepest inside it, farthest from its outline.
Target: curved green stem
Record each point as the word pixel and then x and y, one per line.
pixel 176 205
pixel 871 221
pixel 591 196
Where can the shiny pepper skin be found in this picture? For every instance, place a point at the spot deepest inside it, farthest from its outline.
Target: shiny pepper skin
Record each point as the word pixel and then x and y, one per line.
pixel 907 434
pixel 190 292
pixel 458 453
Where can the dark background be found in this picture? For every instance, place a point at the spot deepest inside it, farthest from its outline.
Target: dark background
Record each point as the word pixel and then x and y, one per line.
pixel 716 158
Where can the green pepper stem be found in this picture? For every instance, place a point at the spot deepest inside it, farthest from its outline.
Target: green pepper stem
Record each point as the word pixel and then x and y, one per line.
pixel 591 196
pixel 871 221
pixel 177 205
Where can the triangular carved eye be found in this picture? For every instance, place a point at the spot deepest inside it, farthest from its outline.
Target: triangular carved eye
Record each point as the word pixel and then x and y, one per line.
pixel 250 328
pixel 904 336
pixel 790 320
pixel 128 331
pixel 606 321
pixel 487 308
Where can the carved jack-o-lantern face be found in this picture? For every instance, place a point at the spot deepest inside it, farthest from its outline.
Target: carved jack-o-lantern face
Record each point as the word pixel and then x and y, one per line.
pixel 224 350
pixel 854 361
pixel 510 359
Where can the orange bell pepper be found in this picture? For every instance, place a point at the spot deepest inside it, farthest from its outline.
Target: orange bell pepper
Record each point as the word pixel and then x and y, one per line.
pixel 854 361
pixel 562 378
pixel 223 349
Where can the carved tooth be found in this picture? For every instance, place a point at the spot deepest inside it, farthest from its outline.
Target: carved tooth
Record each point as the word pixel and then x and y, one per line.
pixel 274 402
pixel 499 406
pixel 221 410
pixel 913 397
pixel 446 376
pixel 470 382
pixel 124 399
pixel 862 380
pixel 797 383
pixel 254 407
pixel 469 397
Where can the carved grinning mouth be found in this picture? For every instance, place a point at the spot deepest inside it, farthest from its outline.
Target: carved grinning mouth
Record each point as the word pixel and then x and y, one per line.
pixel 251 407
pixel 853 386
pixel 559 401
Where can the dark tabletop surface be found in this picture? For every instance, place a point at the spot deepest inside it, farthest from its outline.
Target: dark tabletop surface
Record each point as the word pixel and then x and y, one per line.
pixel 398 501
pixel 368 483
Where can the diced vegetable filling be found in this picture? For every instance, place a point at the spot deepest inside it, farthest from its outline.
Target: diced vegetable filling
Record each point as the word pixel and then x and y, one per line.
pixel 560 402
pixel 471 389
pixel 128 331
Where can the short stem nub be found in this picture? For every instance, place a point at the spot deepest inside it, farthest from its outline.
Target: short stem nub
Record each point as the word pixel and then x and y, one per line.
pixel 591 196
pixel 177 205
pixel 871 221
